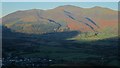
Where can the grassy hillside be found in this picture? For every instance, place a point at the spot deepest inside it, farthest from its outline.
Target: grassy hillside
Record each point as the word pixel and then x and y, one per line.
pixel 57 47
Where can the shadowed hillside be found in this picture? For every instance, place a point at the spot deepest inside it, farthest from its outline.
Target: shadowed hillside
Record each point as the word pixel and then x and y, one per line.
pixel 53 49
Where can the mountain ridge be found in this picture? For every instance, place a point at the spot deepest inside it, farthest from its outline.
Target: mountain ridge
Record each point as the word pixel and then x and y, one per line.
pixel 62 6
pixel 61 19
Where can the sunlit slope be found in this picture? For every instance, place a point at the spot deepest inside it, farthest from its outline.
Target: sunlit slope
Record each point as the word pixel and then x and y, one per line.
pixel 63 18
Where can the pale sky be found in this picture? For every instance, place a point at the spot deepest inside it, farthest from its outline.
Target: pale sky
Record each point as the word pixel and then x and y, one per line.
pixel 60 0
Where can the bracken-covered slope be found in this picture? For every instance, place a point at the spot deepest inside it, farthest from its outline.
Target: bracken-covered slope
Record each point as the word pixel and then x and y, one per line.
pixel 63 18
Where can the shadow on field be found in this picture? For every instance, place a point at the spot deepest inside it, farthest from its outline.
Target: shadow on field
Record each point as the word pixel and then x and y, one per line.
pixel 15 41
